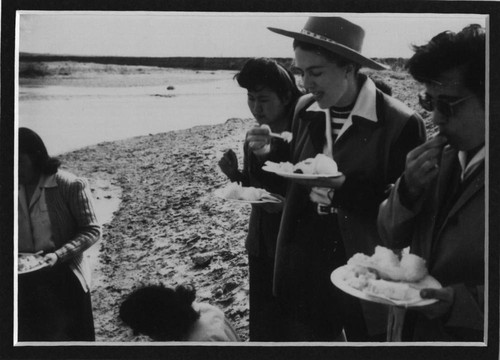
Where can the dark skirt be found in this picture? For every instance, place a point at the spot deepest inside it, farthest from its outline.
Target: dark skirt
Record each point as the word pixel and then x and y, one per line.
pixel 52 306
pixel 319 311
pixel 267 321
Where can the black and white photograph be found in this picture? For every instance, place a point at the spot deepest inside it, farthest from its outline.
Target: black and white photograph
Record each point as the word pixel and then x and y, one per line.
pixel 256 184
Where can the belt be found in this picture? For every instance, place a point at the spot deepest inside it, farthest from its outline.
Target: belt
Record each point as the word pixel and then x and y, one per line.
pixel 326 209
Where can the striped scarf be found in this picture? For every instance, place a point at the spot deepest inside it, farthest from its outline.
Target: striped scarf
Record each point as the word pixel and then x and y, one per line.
pixel 339 116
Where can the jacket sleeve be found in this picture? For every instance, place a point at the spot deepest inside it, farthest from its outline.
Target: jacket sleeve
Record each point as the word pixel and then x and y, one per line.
pixel 363 193
pixel 88 230
pixel 395 220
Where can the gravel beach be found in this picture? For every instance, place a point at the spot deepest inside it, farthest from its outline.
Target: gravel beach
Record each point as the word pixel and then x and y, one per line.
pixel 166 225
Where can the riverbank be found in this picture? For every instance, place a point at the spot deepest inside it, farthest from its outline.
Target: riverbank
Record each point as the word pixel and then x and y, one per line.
pixel 168 226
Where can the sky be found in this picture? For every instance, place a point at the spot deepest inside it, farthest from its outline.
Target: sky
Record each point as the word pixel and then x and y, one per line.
pixel 166 34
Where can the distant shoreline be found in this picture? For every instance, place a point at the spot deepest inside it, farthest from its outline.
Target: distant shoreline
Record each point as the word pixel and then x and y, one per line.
pixel 195 63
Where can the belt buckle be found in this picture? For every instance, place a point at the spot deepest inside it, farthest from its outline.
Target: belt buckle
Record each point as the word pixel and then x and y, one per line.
pixel 323 209
pixel 326 209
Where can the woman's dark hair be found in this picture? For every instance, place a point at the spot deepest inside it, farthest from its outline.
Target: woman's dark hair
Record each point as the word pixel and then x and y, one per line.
pixel 330 56
pixel 258 73
pixel 31 144
pixel 162 313
pixel 449 50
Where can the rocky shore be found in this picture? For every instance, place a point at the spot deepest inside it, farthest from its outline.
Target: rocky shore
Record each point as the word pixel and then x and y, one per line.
pixel 167 225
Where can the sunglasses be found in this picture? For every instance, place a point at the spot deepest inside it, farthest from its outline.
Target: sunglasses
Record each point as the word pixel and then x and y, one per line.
pixel 444 106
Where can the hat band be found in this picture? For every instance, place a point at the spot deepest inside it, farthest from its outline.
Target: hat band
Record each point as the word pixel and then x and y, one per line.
pixel 317 36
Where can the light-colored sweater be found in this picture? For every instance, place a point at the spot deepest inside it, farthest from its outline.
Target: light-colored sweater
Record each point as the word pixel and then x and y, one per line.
pixel 212 325
pixel 74 224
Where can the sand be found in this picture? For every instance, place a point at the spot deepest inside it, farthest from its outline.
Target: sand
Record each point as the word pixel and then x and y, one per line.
pixel 167 225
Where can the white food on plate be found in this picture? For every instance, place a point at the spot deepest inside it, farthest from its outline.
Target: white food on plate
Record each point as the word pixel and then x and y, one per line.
pixel 324 165
pixel 319 165
pixel 385 275
pixel 306 166
pixel 238 192
pixel 28 262
pixel 411 268
pixel 391 290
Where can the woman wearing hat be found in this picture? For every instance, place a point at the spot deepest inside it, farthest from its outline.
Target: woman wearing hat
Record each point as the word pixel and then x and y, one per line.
pixel 57 220
pixel 368 134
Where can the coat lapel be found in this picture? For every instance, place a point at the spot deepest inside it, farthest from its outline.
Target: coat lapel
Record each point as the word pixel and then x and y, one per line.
pixel 449 157
pixel 446 167
pixel 475 183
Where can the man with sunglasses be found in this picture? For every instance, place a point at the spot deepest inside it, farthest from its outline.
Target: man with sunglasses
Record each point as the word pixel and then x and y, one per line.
pixel 437 206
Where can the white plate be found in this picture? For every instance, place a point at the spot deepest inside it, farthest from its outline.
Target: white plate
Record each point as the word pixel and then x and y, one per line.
pixel 271 200
pixel 298 175
pixel 35 268
pixel 338 279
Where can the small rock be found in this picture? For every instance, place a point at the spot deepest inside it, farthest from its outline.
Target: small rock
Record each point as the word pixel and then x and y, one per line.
pixel 202 260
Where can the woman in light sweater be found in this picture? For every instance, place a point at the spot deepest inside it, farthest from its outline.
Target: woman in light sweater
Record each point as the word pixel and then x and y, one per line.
pixel 56 218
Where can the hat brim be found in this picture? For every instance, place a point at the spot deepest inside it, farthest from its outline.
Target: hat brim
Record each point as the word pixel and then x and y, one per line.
pixel 336 48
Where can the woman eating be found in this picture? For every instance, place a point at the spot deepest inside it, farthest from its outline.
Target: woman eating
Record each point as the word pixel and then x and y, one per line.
pixel 271 97
pixel 325 221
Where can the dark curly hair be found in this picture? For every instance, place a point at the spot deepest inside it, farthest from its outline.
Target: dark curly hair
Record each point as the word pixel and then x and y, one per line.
pixel 449 50
pixel 31 144
pixel 258 73
pixel 163 314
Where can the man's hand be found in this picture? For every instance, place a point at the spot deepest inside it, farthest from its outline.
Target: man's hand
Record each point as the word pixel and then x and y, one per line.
pixel 229 164
pixel 440 308
pixel 51 259
pixel 422 165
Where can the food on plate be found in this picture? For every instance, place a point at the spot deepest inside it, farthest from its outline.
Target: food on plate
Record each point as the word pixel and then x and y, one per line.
pixel 385 275
pixel 413 266
pixel 359 276
pixel 27 262
pixel 325 165
pixel 235 191
pixel 284 167
pixel 388 266
pixel 319 165
pixel 304 167
pixel 391 290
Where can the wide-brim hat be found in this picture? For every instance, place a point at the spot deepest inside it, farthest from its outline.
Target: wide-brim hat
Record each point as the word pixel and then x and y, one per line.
pixel 337 35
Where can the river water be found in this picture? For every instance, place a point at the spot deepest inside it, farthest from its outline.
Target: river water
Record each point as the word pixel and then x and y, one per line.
pixel 71 113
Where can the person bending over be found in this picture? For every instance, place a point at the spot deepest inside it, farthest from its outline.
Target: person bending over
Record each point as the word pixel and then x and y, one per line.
pixel 167 314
